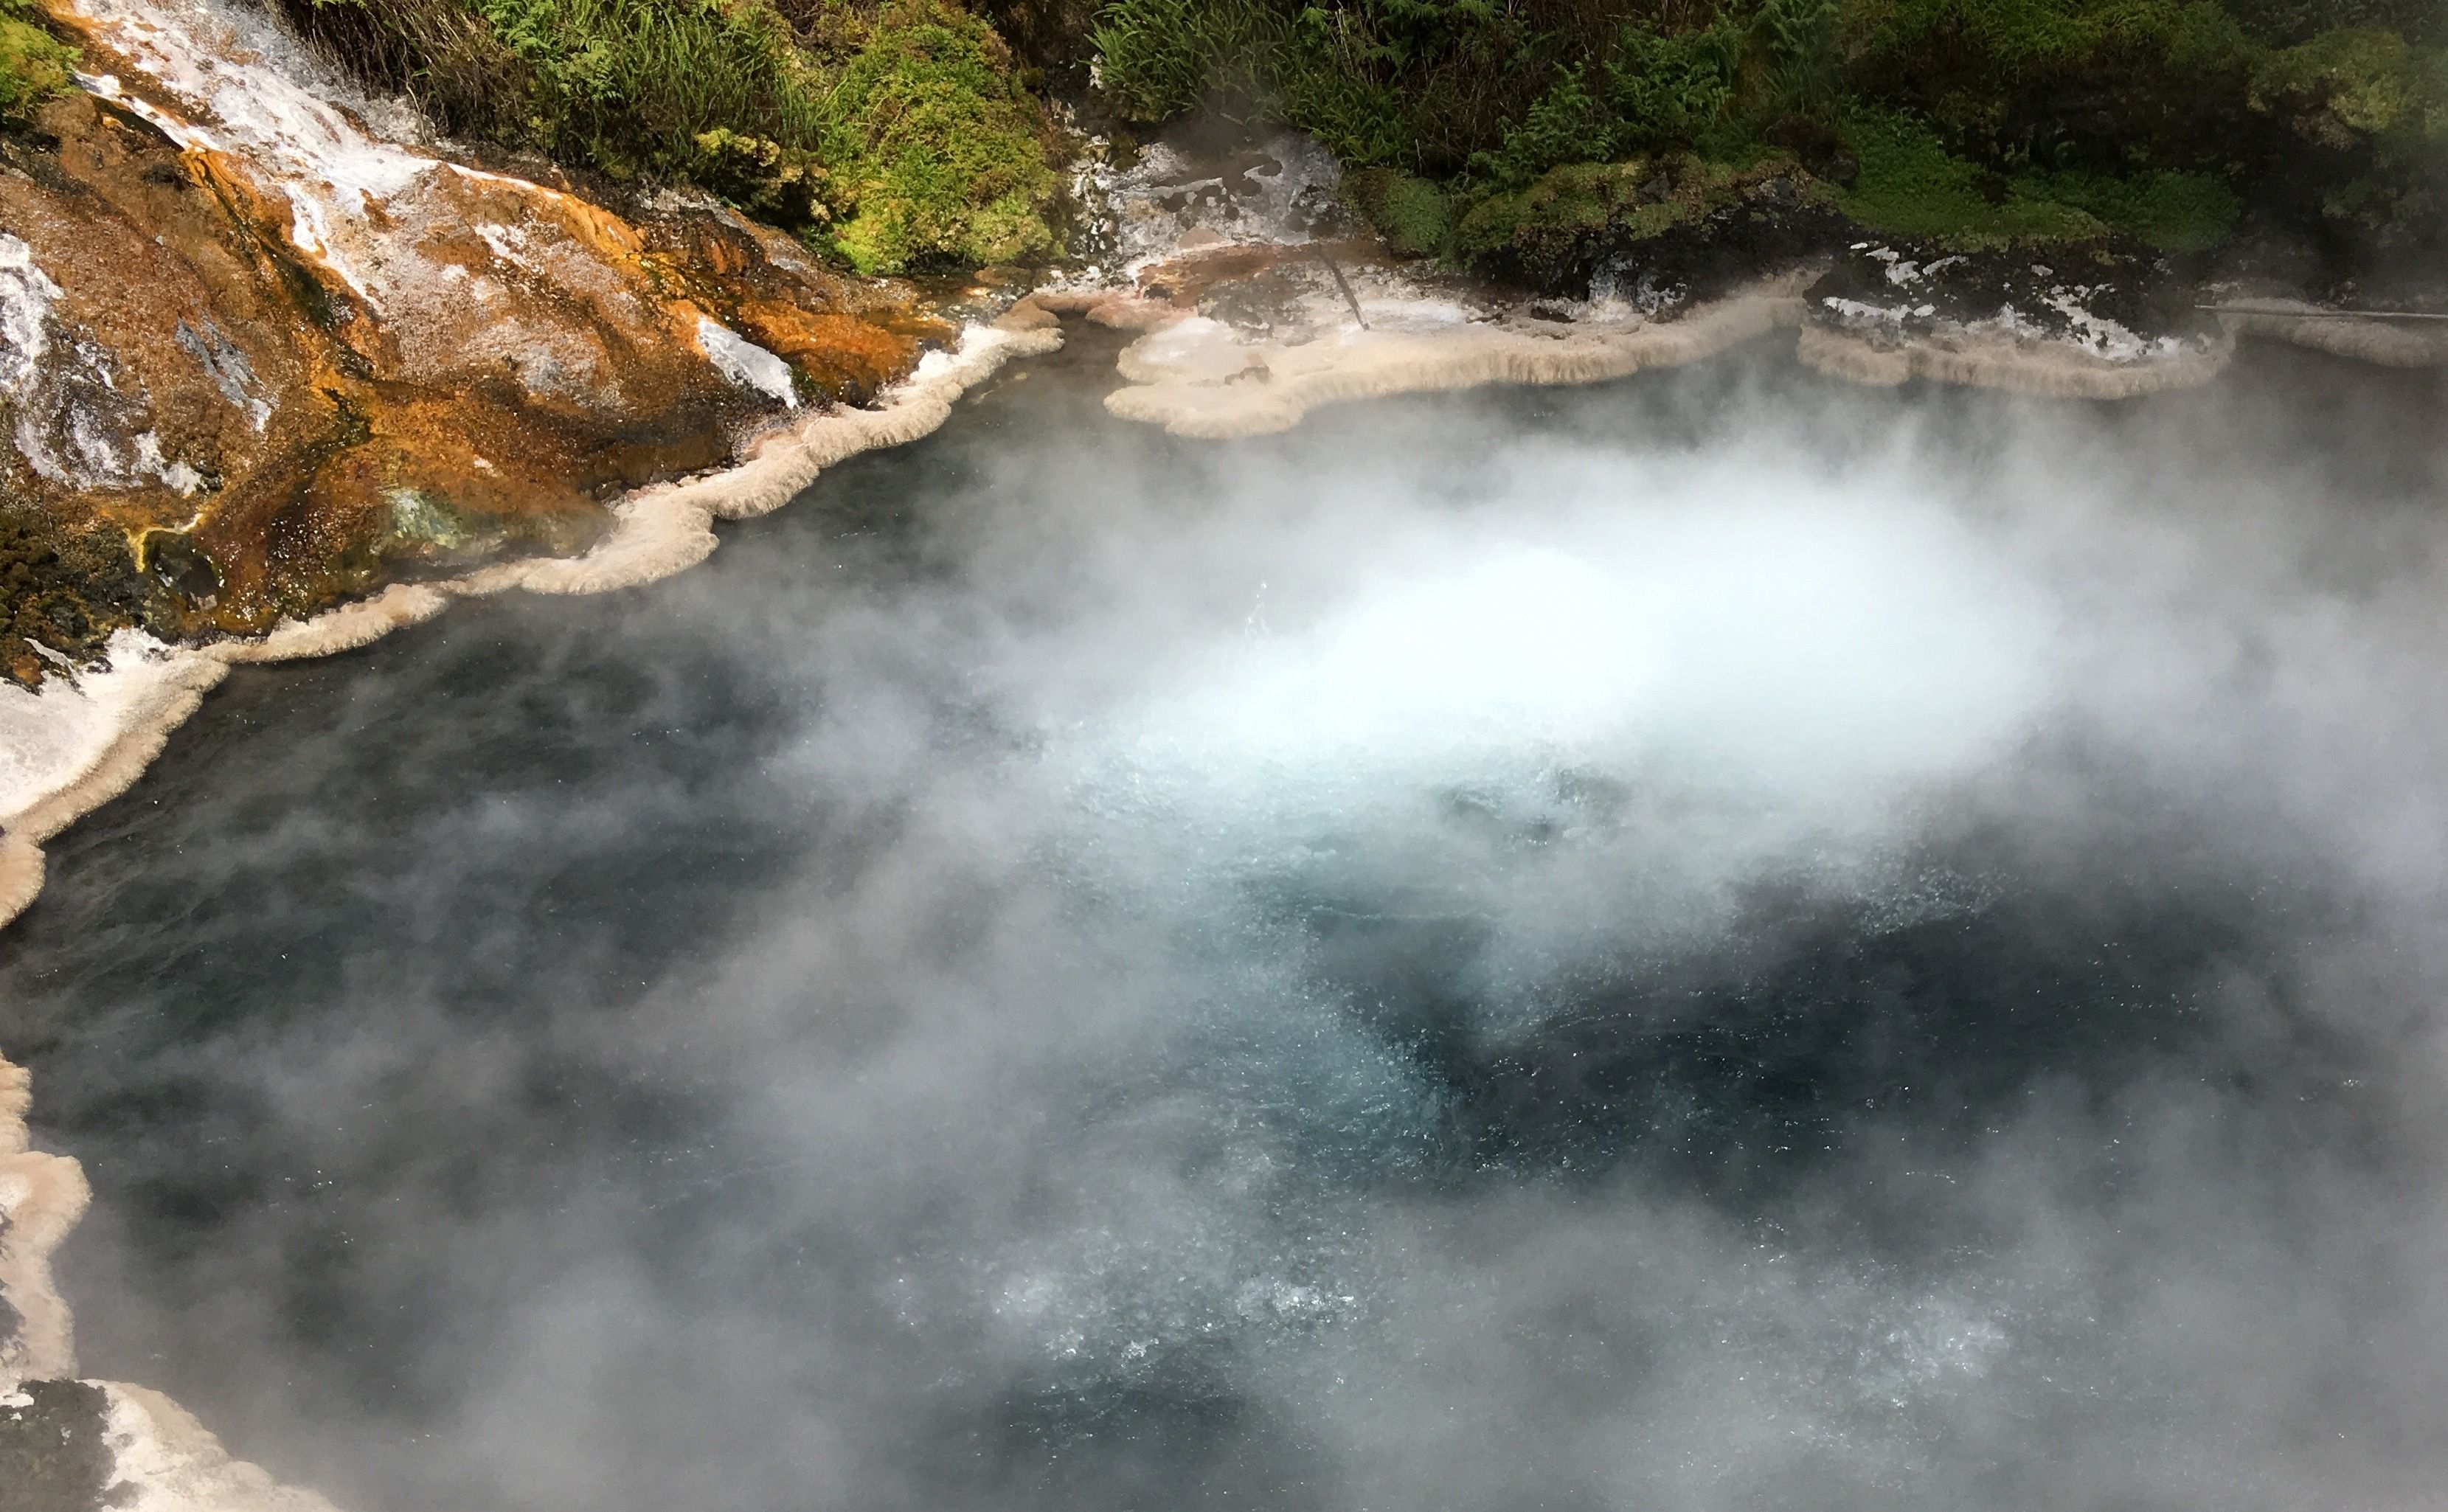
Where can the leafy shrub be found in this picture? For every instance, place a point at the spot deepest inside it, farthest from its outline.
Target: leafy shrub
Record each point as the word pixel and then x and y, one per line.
pixel 1794 42
pixel 2357 84
pixel 1909 185
pixel 1159 58
pixel 1506 103
pixel 1564 125
pixel 1422 84
pixel 1667 89
pixel 437 52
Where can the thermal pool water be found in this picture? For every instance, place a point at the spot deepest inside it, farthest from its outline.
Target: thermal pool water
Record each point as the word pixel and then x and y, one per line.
pixel 1720 941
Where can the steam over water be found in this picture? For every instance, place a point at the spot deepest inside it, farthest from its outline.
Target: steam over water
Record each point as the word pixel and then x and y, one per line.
pixel 1721 942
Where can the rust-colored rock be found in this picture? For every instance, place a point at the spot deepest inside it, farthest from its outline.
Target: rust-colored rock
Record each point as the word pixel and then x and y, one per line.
pixel 285 359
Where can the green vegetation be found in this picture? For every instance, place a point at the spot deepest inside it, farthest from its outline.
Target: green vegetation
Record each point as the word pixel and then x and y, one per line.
pixel 629 85
pixel 2357 84
pixel 1415 217
pixel 1978 123
pixel 934 146
pixel 33 65
pixel 1911 186
pixel 2174 212
pixel 1642 195
pixel 896 135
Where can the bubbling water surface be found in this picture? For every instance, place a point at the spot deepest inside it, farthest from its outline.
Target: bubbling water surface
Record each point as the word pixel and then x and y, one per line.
pixel 1716 941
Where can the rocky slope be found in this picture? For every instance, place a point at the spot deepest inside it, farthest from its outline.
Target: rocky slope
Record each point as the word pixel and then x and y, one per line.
pixel 261 356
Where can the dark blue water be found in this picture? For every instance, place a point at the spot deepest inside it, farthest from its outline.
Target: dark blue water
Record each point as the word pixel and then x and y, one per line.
pixel 1719 941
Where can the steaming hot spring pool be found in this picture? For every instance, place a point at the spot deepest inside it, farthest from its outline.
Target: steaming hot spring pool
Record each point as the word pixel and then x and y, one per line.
pixel 1722 941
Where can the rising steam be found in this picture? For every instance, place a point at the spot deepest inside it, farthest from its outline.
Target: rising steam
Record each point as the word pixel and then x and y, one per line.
pixel 1723 942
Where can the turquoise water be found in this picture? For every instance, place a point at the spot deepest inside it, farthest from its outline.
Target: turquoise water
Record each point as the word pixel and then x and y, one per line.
pixel 1719 941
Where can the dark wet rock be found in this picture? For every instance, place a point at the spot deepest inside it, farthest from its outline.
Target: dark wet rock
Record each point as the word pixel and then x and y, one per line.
pixel 53 1455
pixel 2063 294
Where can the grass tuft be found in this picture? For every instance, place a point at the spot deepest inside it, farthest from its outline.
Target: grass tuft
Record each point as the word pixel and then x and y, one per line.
pixel 896 135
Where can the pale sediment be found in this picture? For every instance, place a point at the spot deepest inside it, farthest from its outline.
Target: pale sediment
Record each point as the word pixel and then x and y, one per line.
pixel 40 1199
pixel 1114 309
pixel 342 629
pixel 21 874
pixel 1197 377
pixel 2056 369
pixel 2363 338
pixel 74 746
pixel 669 528
pixel 163 1460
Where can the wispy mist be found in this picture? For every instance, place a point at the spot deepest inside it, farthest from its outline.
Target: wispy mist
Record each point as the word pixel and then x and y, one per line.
pixel 1717 942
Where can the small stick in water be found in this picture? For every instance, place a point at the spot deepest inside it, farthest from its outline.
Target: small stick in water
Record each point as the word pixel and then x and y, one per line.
pixel 1340 282
pixel 2322 315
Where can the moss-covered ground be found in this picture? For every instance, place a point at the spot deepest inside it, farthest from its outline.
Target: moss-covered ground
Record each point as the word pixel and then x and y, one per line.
pixel 33 64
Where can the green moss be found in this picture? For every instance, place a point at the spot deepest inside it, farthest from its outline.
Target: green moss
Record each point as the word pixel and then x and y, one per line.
pixel 781 185
pixel 1416 217
pixel 2174 212
pixel 933 148
pixel 2007 41
pixel 33 65
pixel 2285 23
